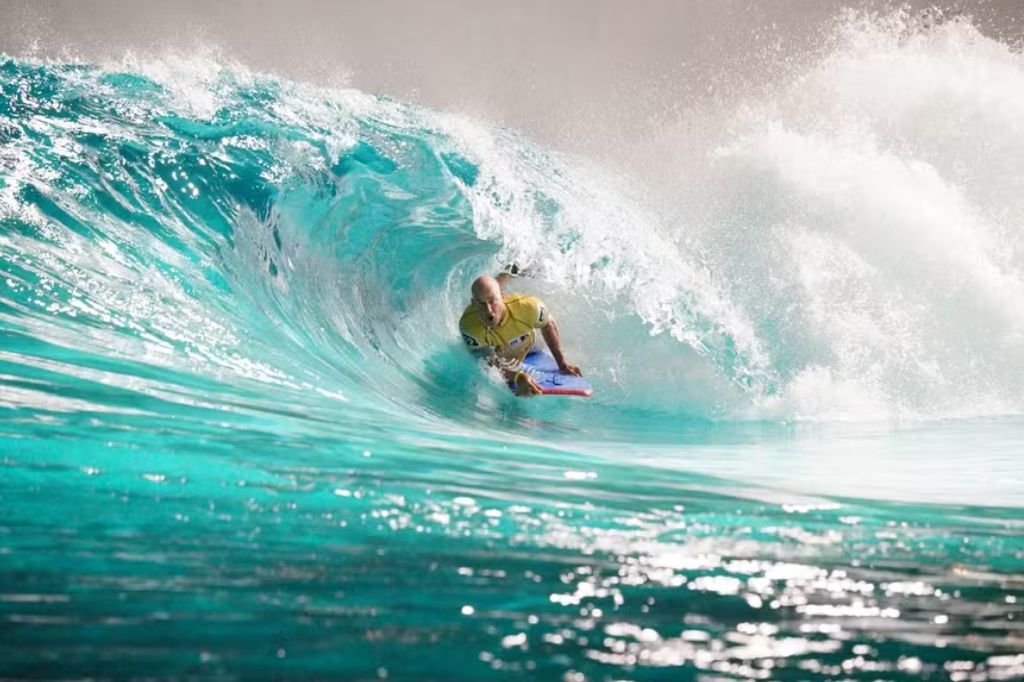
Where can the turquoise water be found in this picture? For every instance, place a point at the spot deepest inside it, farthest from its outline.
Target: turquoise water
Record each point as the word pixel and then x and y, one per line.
pixel 240 439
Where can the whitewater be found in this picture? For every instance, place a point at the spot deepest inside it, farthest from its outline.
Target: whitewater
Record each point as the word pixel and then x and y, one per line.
pixel 240 438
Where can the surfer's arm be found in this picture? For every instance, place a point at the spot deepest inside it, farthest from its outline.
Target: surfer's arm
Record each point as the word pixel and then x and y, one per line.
pixel 533 309
pixel 502 279
pixel 524 384
pixel 504 276
pixel 551 337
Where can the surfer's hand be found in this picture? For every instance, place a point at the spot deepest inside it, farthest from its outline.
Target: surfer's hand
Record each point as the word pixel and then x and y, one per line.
pixel 570 369
pixel 526 386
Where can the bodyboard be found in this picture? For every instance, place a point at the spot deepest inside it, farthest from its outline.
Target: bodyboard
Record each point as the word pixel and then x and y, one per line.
pixel 544 370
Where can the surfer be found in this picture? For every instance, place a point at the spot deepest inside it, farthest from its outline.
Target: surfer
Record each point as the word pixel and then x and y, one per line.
pixel 503 327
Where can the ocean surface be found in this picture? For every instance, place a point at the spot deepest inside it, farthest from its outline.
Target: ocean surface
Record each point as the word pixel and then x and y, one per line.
pixel 239 438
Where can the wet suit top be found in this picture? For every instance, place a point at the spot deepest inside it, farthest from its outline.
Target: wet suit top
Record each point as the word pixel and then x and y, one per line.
pixel 514 337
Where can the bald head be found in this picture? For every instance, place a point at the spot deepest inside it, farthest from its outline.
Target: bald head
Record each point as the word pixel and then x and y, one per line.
pixel 488 300
pixel 483 285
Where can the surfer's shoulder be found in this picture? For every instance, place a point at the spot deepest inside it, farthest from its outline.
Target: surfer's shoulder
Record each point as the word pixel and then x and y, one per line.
pixel 471 327
pixel 470 320
pixel 528 309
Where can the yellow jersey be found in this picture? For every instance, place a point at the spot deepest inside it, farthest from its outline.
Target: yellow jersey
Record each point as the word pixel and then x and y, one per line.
pixel 515 336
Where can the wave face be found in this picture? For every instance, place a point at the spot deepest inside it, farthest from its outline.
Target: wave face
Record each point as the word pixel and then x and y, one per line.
pixel 234 410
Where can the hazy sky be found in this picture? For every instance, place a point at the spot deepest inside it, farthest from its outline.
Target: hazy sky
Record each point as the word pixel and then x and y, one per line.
pixel 573 74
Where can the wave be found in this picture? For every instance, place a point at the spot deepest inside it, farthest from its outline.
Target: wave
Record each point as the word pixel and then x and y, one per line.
pixel 855 252
pixel 233 396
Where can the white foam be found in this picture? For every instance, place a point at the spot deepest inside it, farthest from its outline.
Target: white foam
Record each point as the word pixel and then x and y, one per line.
pixel 860 255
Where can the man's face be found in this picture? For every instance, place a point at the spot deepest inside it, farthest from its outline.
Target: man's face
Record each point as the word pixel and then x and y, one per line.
pixel 489 305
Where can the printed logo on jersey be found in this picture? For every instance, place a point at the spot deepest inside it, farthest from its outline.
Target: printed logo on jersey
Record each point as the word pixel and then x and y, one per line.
pixel 470 341
pixel 542 315
pixel 522 339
